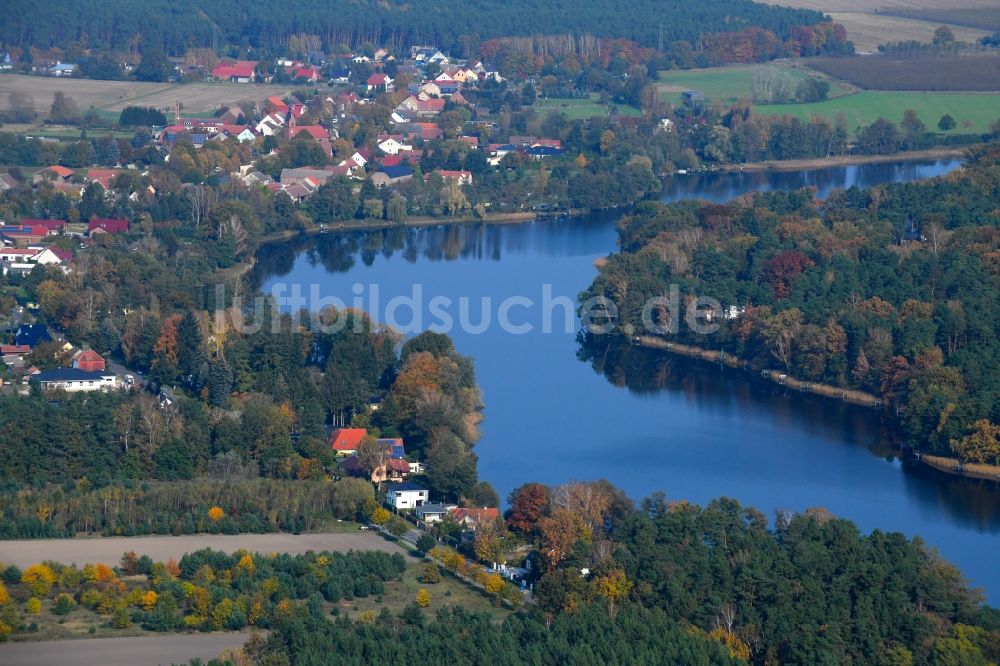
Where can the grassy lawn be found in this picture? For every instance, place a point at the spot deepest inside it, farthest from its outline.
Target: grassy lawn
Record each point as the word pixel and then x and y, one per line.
pixel 979 110
pixel 578 109
pixel 449 592
pixel 729 84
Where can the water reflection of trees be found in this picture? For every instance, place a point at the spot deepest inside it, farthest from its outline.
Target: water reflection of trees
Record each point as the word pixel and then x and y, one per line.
pixel 968 502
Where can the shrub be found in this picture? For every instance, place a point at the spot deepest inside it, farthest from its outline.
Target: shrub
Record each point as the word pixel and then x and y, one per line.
pixel 423 598
pixel 34 606
pixel 64 604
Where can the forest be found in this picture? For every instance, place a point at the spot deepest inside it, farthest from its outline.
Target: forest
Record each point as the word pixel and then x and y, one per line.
pixel 688 585
pixel 891 290
pixel 176 26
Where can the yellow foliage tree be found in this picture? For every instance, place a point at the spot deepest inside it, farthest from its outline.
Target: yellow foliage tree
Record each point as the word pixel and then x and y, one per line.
pixel 216 513
pixel 423 598
pixel 495 583
pixel 614 586
pixel 381 515
pixel 737 648
pixel 39 578
pixel 34 606
pixel 4 595
pixel 149 600
pixel 246 564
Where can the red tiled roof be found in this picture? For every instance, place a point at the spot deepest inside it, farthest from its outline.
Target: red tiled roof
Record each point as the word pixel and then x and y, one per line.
pixel 347 439
pixel 315 131
pixel 64 255
pixel 277 102
pixel 477 516
pixel 102 176
pixel 241 69
pixel 112 226
pixel 60 171
pixel 51 225
pixel 377 79
pixel 15 349
pixel 28 231
pixel 392 160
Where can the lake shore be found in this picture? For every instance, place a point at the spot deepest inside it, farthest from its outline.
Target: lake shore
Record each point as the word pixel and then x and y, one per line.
pixel 825 390
pixel 847 160
pixel 956 467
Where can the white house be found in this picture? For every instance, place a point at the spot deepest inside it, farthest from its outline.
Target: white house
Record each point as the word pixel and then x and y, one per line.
pixel 405 495
pixel 74 380
pixel 391 146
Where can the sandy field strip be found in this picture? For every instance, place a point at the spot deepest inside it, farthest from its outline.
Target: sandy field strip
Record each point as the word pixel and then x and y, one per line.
pixel 133 651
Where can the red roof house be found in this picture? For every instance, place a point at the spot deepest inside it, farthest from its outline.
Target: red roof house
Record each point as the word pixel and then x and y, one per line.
pixel 107 226
pixel 88 360
pixel 54 226
pixel 102 176
pixel 346 440
pixel 315 131
pixel 241 71
pixel 473 518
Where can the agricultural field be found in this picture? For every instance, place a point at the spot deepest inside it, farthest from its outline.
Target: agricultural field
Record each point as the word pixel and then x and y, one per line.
pixel 576 109
pixel 980 72
pixel 870 23
pixel 728 85
pixel 974 112
pixel 111 97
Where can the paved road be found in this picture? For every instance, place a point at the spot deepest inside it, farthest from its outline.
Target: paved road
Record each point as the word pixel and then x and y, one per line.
pixel 138 651
pixel 161 548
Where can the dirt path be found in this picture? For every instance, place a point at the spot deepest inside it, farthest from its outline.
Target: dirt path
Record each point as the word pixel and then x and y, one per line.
pixel 138 651
pixel 109 551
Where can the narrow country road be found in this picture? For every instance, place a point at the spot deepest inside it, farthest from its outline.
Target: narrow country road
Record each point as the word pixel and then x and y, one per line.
pixel 133 651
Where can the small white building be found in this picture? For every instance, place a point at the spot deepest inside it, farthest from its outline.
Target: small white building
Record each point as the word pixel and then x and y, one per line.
pixel 405 495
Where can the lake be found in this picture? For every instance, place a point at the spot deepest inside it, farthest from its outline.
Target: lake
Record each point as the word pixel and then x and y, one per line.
pixel 646 421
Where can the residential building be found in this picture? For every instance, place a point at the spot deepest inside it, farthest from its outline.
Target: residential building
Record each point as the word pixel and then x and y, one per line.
pixel 74 380
pixel 433 513
pixel 379 80
pixel 392 470
pixel 13 355
pixel 391 175
pixel 31 335
pixel 88 360
pixel 405 495
pixel 241 71
pixel 345 441
pixel 107 226
pixel 473 518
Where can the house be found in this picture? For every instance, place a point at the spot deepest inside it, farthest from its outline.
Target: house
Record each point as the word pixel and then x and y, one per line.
pixel 232 116
pixel 361 157
pixel 433 513
pixel 391 471
pixel 379 80
pixel 394 447
pixel 391 175
pixel 54 226
pixel 241 71
pixel 88 360
pixel 345 441
pixel 405 495
pixel 276 104
pixel 13 355
pixel 421 107
pixel 541 152
pixel 23 236
pixel 430 88
pixel 17 254
pixel 52 256
pixel 74 380
pixel 102 176
pixel 474 518
pixel 106 226
pixel 31 335
pixel 292 176
pixel 63 69
pixel 315 131
pixel 463 177
pixel 309 74
pixel 54 173
pixel 392 144
pixel 302 189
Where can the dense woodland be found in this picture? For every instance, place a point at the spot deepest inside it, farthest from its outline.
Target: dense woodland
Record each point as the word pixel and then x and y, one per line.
pixel 175 26
pixel 891 290
pixel 676 582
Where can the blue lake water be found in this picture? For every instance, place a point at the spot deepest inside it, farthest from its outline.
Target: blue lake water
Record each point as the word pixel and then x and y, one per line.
pixel 644 420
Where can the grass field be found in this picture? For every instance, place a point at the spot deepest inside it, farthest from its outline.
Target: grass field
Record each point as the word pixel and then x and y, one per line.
pixel 113 96
pixel 730 84
pixel 869 24
pixel 577 109
pixel 974 112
